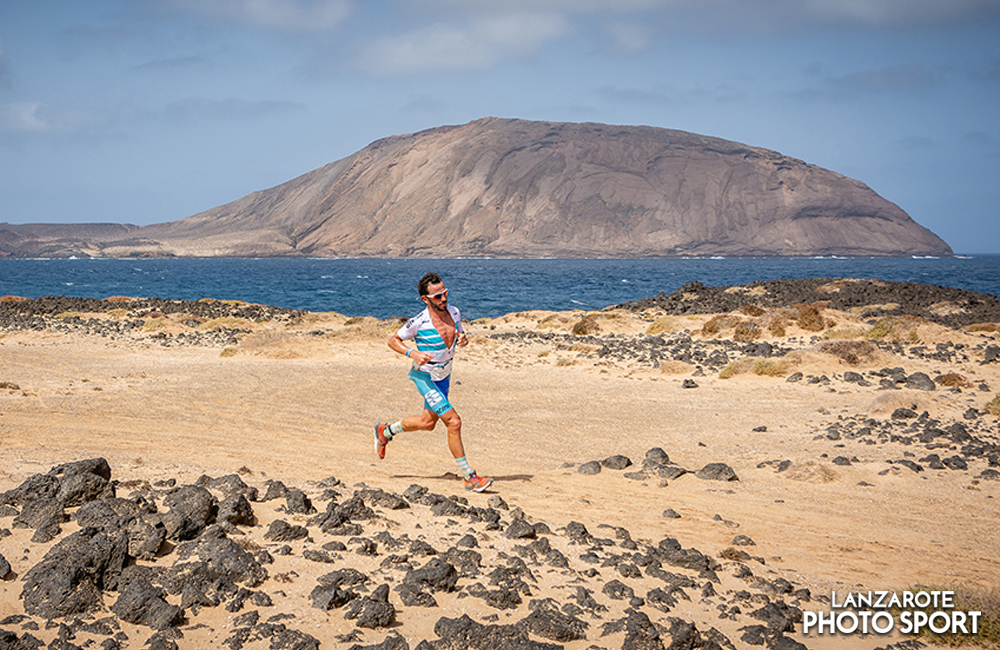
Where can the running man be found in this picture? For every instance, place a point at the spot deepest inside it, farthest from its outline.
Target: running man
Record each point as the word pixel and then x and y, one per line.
pixel 437 331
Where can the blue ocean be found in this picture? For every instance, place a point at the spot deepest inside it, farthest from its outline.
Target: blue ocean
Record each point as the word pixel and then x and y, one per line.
pixel 480 287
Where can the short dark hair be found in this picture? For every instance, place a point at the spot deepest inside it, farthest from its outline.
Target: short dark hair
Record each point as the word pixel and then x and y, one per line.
pixel 426 281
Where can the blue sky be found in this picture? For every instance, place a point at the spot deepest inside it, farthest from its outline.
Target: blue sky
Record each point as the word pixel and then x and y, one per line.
pixel 144 111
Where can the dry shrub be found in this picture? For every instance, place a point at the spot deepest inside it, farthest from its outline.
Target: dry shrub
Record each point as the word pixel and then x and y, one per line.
pixel 230 302
pixel 777 328
pixel 752 310
pixel 554 321
pixel 282 345
pixel 761 367
pixel 12 299
pixel 586 326
pixel 734 554
pixel 747 331
pixel 776 322
pixel 844 333
pixel 895 328
pixel 155 324
pixel 227 352
pixel 671 367
pixel 720 323
pixel 116 299
pixel 852 353
pixel 774 367
pixel 952 380
pixel 993 408
pixel 562 361
pixel 810 317
pixel 662 325
pixel 366 328
pixel 975 327
pixel 883 328
pixel 735 368
pixel 230 322
pixel 873 311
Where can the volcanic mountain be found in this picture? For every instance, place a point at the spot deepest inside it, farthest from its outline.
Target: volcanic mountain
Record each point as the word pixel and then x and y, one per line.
pixel 506 187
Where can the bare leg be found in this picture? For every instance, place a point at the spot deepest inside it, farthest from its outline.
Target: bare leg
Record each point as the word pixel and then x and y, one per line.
pixel 454 424
pixel 426 421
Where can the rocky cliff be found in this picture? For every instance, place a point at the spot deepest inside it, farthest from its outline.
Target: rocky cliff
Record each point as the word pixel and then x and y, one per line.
pixel 501 187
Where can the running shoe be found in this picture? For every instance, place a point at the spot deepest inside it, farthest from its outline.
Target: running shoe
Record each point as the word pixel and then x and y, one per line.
pixel 477 483
pixel 381 440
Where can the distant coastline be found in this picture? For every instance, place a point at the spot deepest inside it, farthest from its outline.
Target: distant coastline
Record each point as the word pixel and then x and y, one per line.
pixel 482 287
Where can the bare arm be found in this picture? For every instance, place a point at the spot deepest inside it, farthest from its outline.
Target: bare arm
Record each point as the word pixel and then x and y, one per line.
pixel 399 346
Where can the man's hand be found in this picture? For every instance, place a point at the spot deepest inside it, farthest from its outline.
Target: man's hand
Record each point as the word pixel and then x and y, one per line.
pixel 420 357
pixel 463 340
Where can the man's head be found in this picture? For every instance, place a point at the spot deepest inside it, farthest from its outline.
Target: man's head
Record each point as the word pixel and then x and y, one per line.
pixel 433 292
pixel 426 281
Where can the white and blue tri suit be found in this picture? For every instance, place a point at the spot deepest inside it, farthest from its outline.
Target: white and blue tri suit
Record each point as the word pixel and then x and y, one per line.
pixel 433 378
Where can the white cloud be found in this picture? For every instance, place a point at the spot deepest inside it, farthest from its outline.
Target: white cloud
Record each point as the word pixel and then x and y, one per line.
pixel 471 45
pixel 629 37
pixel 281 15
pixel 707 16
pixel 35 117
pixel 899 12
pixel 21 116
pixel 476 34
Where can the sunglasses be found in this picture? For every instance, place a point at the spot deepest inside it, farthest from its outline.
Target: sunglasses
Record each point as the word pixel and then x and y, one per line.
pixel 439 295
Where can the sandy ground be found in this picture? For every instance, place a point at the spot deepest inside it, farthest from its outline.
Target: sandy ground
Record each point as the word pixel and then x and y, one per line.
pixel 299 408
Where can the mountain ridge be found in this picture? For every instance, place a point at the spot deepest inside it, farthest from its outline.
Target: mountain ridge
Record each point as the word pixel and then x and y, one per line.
pixel 515 188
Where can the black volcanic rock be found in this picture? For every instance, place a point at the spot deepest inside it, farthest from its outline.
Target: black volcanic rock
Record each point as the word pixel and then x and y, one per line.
pixel 72 575
pixel 144 604
pixel 866 296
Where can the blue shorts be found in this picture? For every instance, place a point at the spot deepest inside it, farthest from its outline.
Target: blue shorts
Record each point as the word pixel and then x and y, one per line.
pixel 435 392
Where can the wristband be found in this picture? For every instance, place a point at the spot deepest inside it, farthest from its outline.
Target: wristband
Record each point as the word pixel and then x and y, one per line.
pixel 408 351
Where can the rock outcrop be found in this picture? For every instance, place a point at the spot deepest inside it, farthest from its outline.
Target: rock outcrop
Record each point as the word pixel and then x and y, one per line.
pixel 503 187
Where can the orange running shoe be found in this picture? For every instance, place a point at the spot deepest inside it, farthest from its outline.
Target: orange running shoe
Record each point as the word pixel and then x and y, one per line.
pixel 381 440
pixel 477 483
